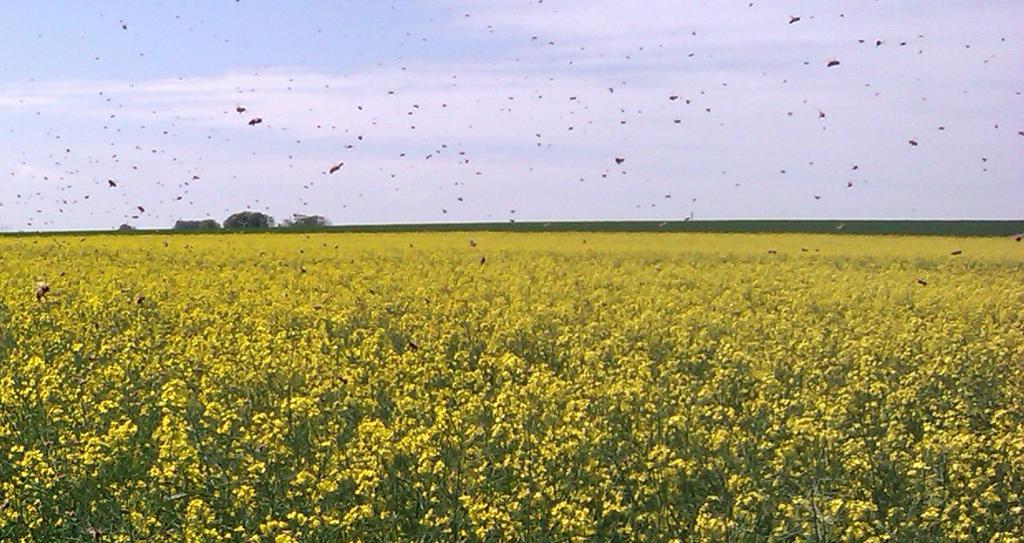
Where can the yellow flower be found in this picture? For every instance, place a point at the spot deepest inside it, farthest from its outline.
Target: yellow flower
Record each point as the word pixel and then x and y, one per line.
pixel 634 387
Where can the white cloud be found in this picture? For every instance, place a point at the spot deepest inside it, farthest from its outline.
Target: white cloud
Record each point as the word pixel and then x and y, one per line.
pixel 747 68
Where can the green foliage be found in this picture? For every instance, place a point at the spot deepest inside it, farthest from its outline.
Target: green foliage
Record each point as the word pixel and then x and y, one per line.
pixel 204 224
pixel 248 219
pixel 305 221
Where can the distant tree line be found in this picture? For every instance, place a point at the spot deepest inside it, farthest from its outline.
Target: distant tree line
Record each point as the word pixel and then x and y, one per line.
pixel 204 224
pixel 305 221
pixel 252 219
pixel 248 219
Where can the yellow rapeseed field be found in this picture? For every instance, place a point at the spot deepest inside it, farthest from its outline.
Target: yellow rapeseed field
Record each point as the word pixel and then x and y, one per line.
pixel 569 387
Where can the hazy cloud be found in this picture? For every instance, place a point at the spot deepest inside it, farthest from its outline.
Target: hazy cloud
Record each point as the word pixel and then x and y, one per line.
pixel 760 127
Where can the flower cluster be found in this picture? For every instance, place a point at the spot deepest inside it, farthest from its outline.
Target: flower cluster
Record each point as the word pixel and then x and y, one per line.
pixel 570 387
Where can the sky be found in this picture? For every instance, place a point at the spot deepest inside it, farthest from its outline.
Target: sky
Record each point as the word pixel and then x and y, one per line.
pixel 122 111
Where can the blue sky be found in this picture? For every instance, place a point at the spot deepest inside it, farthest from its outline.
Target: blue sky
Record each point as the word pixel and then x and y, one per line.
pixel 498 110
pixel 61 40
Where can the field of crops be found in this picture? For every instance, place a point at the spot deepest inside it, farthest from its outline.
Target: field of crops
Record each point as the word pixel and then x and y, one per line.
pixel 516 387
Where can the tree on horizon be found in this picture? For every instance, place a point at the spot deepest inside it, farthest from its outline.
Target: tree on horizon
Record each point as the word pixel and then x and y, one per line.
pixel 305 221
pixel 249 219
